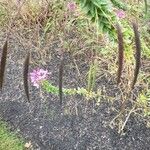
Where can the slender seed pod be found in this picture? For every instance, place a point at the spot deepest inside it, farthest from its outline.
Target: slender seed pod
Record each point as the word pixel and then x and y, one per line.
pixel 120 53
pixel 3 64
pixel 61 78
pixel 25 76
pixel 138 54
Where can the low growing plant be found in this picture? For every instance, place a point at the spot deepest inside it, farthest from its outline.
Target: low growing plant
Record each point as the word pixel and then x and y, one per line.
pixel 39 79
pixel 3 15
pixel 92 75
pixel 144 101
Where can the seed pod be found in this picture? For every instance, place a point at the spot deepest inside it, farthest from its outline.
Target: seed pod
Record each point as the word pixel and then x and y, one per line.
pixel 61 78
pixel 120 53
pixel 138 53
pixel 25 76
pixel 3 64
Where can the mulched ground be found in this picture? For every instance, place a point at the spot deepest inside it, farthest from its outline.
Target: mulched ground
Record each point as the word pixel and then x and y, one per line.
pixel 78 125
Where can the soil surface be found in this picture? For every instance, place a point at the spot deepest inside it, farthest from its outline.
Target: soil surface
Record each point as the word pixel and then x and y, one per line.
pixel 77 125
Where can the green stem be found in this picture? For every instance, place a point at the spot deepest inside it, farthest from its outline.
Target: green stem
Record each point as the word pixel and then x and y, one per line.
pixel 47 86
pixel 146 6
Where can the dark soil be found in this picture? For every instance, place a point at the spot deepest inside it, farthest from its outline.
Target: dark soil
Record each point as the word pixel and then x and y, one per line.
pixel 78 125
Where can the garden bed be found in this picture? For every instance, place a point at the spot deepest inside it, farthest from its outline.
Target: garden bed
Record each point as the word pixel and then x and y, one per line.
pixel 100 49
pixel 78 124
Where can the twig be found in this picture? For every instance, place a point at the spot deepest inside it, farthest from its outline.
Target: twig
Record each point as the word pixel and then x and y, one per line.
pixel 127 118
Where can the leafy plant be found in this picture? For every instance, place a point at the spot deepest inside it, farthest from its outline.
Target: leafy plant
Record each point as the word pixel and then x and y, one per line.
pixel 100 12
pixel 39 79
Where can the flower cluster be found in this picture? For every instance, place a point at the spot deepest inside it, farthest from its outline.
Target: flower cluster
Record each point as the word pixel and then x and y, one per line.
pixel 37 76
pixel 121 14
pixel 71 6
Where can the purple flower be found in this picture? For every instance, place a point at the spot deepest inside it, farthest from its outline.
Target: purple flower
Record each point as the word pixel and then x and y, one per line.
pixel 71 6
pixel 37 76
pixel 121 14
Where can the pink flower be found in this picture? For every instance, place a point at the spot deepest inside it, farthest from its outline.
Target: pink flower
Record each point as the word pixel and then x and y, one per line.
pixel 37 76
pixel 121 14
pixel 71 6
